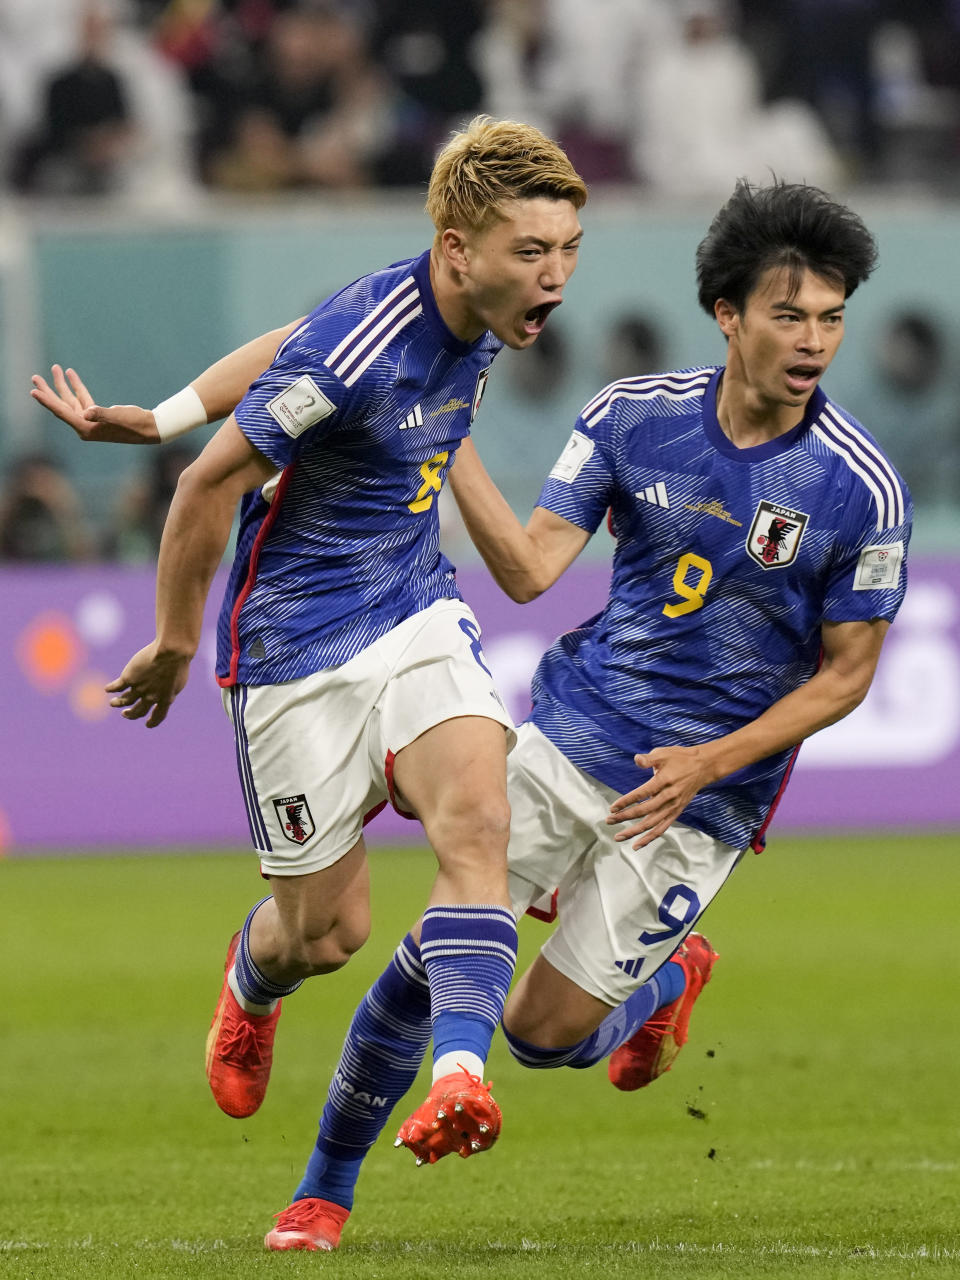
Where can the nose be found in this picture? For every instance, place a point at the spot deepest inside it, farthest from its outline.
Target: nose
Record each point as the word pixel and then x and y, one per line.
pixel 552 274
pixel 810 339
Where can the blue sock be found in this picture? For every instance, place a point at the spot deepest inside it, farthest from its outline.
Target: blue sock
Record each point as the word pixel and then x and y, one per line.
pixel 254 985
pixel 618 1026
pixel 469 954
pixel 381 1056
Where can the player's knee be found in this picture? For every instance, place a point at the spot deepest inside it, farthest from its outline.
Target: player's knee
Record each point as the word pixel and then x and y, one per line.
pixel 473 827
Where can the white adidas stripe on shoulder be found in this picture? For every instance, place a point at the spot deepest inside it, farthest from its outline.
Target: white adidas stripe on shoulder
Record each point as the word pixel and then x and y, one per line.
pixel 361 346
pixel 866 461
pixel 649 387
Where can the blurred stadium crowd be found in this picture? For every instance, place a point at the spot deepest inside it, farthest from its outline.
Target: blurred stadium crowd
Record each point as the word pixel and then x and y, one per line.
pixel 165 104
pixel 164 98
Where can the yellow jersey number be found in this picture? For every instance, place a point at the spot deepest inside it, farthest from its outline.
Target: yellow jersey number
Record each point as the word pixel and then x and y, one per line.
pixel 691 593
pixel 431 472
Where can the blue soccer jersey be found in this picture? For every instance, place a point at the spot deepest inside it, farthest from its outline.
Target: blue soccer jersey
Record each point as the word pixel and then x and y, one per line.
pixel 727 563
pixel 362 412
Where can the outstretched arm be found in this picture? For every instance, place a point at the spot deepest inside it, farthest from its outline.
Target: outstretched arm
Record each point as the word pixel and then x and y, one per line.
pixel 215 393
pixel 194 539
pixel 850 654
pixel 524 560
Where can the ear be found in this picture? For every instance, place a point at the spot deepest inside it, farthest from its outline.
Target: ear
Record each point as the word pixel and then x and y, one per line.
pixel 455 248
pixel 728 317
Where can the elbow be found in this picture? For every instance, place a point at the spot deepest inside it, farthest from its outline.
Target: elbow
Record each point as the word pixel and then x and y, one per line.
pixel 524 586
pixel 523 592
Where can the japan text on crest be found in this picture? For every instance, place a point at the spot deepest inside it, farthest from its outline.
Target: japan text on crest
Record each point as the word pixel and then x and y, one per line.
pixel 295 818
pixel 774 537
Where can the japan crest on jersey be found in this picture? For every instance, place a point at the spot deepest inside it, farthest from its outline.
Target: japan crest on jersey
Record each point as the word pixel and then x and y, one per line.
pixel 774 537
pixel 295 818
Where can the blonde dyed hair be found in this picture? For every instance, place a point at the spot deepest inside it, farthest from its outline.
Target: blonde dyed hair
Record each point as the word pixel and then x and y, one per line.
pixel 491 162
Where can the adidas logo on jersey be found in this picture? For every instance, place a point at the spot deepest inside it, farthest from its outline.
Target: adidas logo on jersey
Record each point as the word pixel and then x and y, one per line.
pixel 413 419
pixel 655 494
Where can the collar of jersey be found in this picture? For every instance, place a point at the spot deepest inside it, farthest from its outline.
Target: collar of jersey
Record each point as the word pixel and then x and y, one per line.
pixel 431 313
pixel 757 452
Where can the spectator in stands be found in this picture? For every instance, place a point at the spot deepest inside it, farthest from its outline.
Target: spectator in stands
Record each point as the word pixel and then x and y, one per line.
pixel 40 513
pixel 310 115
pixel 701 122
pixel 96 110
pixel 426 50
pixel 595 58
pixel 85 132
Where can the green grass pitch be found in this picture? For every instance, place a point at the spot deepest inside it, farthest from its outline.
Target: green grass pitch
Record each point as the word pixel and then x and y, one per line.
pixel 809 1128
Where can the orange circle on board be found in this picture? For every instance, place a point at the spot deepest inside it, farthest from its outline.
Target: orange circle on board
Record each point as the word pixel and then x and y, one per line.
pixel 88 698
pixel 49 651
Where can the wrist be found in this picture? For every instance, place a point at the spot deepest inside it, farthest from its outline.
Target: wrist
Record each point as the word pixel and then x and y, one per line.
pixel 179 414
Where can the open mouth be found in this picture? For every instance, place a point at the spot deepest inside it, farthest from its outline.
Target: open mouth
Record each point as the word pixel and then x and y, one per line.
pixel 804 376
pixel 536 317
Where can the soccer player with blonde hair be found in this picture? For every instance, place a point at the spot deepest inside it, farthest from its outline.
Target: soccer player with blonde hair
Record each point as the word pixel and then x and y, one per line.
pixel 351 669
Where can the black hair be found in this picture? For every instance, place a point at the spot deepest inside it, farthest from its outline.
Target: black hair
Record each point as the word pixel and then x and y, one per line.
pixel 785 224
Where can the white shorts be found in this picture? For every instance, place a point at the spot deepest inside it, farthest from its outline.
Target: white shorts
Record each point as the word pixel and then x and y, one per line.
pixel 316 754
pixel 621 912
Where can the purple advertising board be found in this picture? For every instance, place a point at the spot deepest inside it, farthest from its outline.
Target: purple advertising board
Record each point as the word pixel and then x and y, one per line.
pixel 75 776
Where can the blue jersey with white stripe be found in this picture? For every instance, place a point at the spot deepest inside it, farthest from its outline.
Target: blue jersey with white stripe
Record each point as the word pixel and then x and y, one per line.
pixel 727 563
pixel 362 412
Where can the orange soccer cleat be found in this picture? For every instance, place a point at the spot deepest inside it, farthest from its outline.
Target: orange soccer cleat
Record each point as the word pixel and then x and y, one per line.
pixel 308 1224
pixel 651 1049
pixel 459 1115
pixel 239 1050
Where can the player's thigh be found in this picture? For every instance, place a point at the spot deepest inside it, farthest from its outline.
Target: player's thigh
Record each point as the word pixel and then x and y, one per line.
pixel 629 909
pixel 554 814
pixel 444 732
pixel 303 758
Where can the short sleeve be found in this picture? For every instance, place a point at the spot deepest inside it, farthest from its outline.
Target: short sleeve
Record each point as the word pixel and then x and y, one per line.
pixel 580 485
pixel 294 402
pixel 868 578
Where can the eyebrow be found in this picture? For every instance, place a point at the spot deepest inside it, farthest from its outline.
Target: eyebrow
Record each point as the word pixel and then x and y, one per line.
pixel 792 306
pixel 546 244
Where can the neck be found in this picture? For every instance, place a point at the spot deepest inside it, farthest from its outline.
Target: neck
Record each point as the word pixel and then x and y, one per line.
pixel 448 293
pixel 747 417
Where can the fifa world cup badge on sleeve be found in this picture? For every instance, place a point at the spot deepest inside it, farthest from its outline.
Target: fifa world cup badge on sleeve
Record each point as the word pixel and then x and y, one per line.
pixel 774 537
pixel 878 568
pixel 300 406
pixel 295 818
pixel 568 466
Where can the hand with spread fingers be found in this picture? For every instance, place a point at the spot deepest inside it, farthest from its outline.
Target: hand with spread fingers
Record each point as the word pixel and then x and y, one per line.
pixel 148 684
pixel 70 401
pixel 678 774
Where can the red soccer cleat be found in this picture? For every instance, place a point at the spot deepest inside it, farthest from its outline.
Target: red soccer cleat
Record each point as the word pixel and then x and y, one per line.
pixel 239 1050
pixel 652 1048
pixel 308 1224
pixel 459 1115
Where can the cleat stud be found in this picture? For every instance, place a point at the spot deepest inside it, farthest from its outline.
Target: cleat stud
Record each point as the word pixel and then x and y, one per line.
pixel 441 1115
pixel 483 1128
pixel 459 1107
pixel 419 1161
pixel 475 1146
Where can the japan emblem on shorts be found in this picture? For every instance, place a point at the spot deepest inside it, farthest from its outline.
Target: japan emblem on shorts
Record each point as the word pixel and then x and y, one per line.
pixel 296 821
pixel 774 537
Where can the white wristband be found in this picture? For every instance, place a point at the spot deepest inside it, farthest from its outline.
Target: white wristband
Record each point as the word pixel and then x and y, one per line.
pixel 180 414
